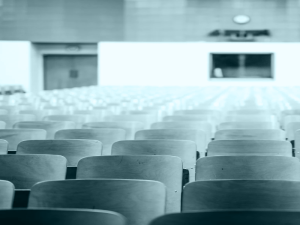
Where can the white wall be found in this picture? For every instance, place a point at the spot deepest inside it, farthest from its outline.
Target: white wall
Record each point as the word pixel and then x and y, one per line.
pixel 184 64
pixel 15 63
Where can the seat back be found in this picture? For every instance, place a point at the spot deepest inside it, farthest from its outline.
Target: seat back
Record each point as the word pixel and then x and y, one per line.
pixel 233 217
pixel 139 201
pixel 26 170
pixel 129 126
pixel 250 134
pixel 10 120
pixel 186 150
pixel 241 194
pixel 72 149
pixel 7 191
pixel 291 129
pixel 60 217
pixel 106 135
pixel 248 168
pixel 15 136
pixel 247 125
pixel 2 124
pixel 77 119
pixel 163 168
pixel 3 147
pixel 50 126
pixel 249 147
pixel 198 136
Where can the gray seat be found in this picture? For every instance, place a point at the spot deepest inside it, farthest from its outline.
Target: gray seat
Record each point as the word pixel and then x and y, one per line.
pixel 186 150
pixel 250 134
pixel 249 147
pixel 233 217
pixel 241 194
pixel 106 135
pixel 60 217
pixel 198 136
pixel 163 168
pixel 139 201
pixel 248 168
pixel 7 190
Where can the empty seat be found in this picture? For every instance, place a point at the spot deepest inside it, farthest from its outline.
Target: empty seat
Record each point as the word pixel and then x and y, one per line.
pixel 60 217
pixel 289 119
pixel 50 126
pixel 291 129
pixel 139 201
pixel 77 119
pixel 106 135
pixel 250 134
pixel 2 124
pixel 3 147
pixel 146 119
pixel 205 126
pixel 7 190
pixel 10 120
pixel 72 149
pixel 233 217
pixel 129 126
pixel 241 194
pixel 198 136
pixel 26 170
pixel 249 147
pixel 15 136
pixel 247 125
pixel 186 150
pixel 248 168
pixel 166 169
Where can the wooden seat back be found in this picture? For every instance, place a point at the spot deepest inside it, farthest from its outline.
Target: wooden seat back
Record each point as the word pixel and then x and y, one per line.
pixel 15 136
pixel 7 191
pixel 249 147
pixel 185 150
pixel 60 217
pixel 26 170
pixel 106 135
pixel 241 194
pixel 139 201
pixel 163 168
pixel 250 134
pixel 248 168
pixel 72 149
pixel 49 126
pixel 198 136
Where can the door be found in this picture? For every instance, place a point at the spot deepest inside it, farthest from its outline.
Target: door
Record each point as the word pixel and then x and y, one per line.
pixel 68 71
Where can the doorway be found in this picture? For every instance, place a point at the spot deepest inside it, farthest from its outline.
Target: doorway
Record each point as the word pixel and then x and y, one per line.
pixel 69 71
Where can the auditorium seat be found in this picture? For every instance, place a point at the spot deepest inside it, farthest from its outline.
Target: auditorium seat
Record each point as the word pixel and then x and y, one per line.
pixel 129 126
pixel 61 217
pixel 49 126
pixel 233 217
pixel 139 201
pixel 250 134
pixel 3 147
pixel 15 136
pixel 107 136
pixel 7 192
pixel 72 149
pixel 186 150
pixel 10 119
pixel 2 125
pixel 26 170
pixel 146 119
pixel 248 168
pixel 193 118
pixel 241 194
pixel 163 168
pixel 77 119
pixel 247 125
pixel 289 119
pixel 249 147
pixel 198 136
pixel 205 126
pixel 3 112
